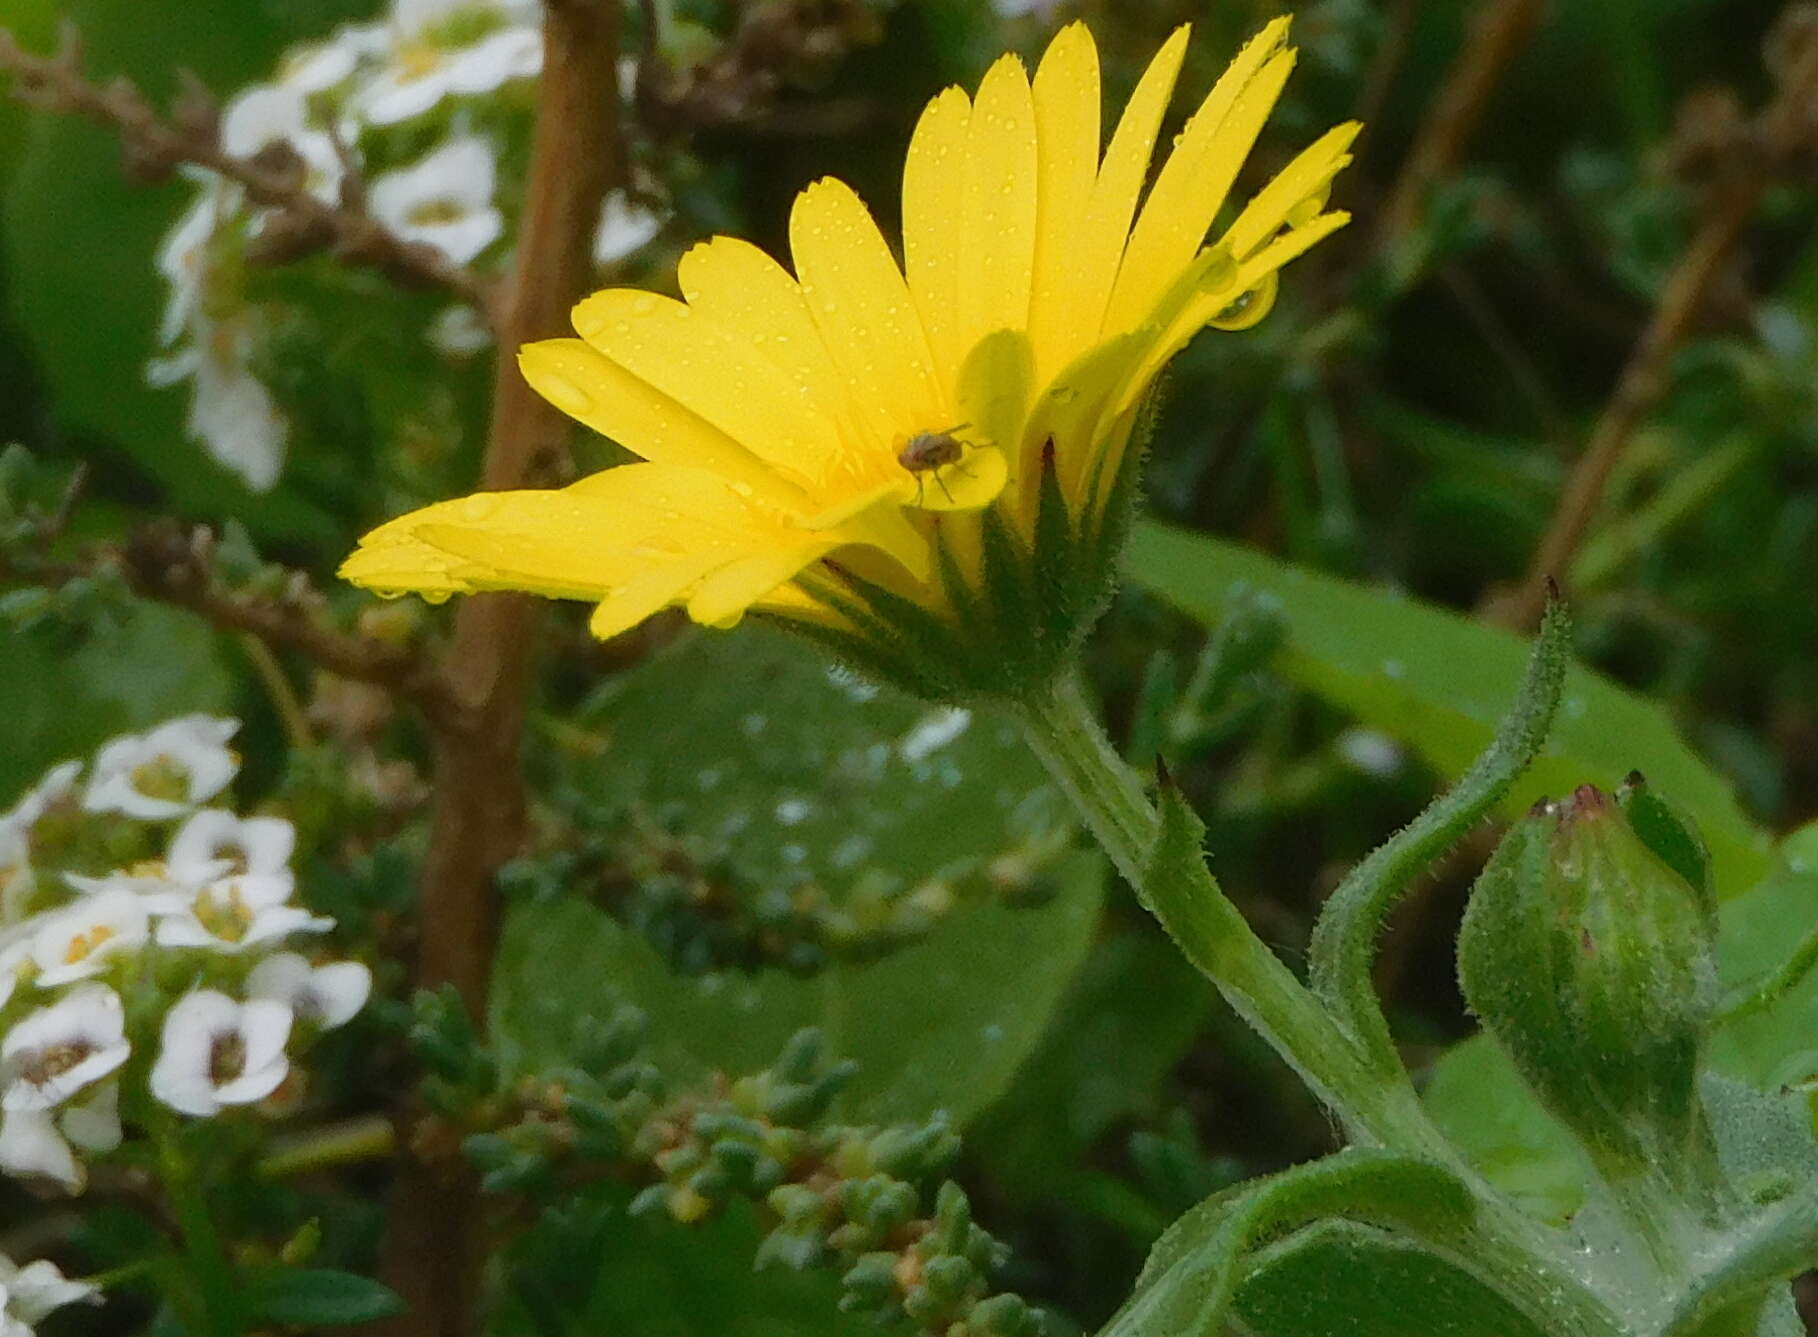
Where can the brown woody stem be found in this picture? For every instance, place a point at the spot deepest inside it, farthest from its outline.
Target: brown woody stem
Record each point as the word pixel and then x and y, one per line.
pixel 435 1250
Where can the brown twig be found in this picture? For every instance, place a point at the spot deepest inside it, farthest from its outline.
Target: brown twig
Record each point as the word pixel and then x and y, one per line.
pixel 166 564
pixel 1497 34
pixel 774 48
pixel 1783 137
pixel 434 1250
pixel 273 178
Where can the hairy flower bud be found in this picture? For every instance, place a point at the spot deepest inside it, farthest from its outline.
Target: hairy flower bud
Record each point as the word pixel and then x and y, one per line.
pixel 1588 954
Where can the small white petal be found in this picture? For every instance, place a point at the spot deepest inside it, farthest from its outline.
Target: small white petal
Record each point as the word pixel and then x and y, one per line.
pixel 624 228
pixel 94 1124
pixel 32 1148
pixel 39 1288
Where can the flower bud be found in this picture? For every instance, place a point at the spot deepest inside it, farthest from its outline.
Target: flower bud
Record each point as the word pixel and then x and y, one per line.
pixel 1588 954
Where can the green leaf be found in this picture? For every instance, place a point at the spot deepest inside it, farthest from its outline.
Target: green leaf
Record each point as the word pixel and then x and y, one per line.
pixel 589 1269
pixel 1186 1287
pixel 797 777
pixel 1130 1016
pixel 1343 1279
pixel 315 1297
pixel 1343 951
pixel 1440 682
pixel 941 1025
pixel 130 671
pixel 1479 1101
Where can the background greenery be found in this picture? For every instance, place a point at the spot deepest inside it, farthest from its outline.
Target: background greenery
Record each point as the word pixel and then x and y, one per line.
pixel 1405 419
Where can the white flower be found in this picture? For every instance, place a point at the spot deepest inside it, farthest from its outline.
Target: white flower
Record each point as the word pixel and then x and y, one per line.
pixel 458 332
pixel 77 941
pixel 268 114
pixel 16 879
pixel 58 783
pixel 35 1290
pixel 94 1124
pixel 183 258
pixel 57 1050
pixel 232 915
pixel 215 841
pixel 1016 9
pixel 329 996
pixel 32 1148
pixel 230 410
pixel 625 227
pixel 35 1144
pixel 422 74
pixel 217 1052
pixel 319 67
pixel 164 773
pixel 15 958
pixel 445 199
pixel 411 18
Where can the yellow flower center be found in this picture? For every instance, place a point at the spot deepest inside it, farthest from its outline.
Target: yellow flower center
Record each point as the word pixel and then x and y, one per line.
pixel 417 61
pixel 226 917
pixel 85 945
pixel 431 212
pixel 162 778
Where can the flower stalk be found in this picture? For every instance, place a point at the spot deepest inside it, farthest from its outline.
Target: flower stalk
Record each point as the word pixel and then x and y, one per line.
pixel 1063 730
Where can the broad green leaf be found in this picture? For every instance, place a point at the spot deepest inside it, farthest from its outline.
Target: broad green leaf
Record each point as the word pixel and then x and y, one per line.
pixel 940 1025
pixel 1195 1268
pixel 1440 682
pixel 1129 1017
pixel 792 776
pixel 588 1268
pixel 317 1297
pixel 1475 1095
pixel 1343 1279
pixel 129 671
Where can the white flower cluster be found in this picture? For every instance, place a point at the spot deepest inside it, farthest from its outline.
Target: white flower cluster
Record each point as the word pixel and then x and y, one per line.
pixel 31 1293
pixel 161 979
pixel 430 72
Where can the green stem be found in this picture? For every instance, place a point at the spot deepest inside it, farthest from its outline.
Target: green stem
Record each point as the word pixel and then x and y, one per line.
pixel 216 1294
pixel 1527 1259
pixel 371 1138
pixel 1063 730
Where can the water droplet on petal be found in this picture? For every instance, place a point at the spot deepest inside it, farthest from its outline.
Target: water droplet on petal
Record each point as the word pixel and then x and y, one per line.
pixel 565 394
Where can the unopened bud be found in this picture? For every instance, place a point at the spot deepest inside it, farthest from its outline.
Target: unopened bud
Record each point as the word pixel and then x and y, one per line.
pixel 1587 952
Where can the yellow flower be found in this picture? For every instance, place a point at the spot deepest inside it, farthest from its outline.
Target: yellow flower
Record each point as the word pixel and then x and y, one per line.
pixel 887 453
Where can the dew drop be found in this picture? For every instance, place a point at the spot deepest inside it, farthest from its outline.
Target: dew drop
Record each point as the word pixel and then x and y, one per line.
pixel 565 394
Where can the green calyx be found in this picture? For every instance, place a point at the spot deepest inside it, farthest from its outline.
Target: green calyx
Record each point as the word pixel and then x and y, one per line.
pixel 1016 606
pixel 1587 950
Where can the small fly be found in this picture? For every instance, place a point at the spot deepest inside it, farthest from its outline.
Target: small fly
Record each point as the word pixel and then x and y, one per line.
pixel 930 452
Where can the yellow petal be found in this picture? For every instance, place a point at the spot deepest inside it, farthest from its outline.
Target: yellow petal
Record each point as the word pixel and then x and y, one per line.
pixel 693 360
pixel 1067 417
pixel 994 389
pixel 1308 177
pixel 1113 203
pixel 1066 139
pixel 861 306
pixel 935 221
pixel 1199 174
pixel 1214 304
pixel 597 392
pixel 723 597
pixel 997 251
